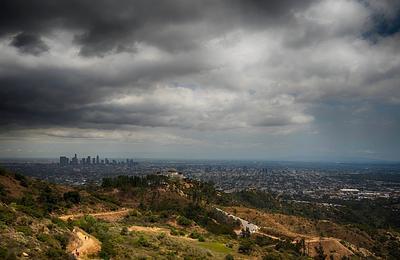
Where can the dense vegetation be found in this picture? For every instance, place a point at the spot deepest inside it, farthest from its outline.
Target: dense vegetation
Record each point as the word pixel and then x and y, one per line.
pixel 184 211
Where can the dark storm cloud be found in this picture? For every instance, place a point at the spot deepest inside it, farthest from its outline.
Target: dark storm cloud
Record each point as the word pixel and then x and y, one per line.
pixel 80 68
pixel 29 43
pixel 107 26
pixel 46 96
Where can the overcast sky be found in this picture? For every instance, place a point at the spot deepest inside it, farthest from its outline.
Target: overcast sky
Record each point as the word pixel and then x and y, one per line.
pixel 240 79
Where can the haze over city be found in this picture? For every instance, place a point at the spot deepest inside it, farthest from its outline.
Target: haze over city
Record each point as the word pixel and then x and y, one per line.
pixel 267 80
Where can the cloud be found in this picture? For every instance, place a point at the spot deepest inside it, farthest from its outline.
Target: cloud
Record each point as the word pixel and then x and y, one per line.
pixel 29 43
pixel 261 67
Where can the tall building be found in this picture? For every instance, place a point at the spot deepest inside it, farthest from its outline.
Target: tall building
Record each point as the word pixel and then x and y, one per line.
pixel 88 160
pixel 94 161
pixel 97 159
pixel 64 160
pixel 74 160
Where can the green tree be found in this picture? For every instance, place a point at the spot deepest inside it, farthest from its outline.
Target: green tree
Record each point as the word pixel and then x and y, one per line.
pixel 320 252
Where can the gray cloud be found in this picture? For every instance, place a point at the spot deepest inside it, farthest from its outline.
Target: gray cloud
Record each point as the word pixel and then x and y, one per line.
pixel 261 68
pixel 29 43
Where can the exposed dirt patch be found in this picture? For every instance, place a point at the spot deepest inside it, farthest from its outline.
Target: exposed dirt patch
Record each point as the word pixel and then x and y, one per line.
pixel 12 186
pixel 107 216
pixel 332 248
pixel 83 245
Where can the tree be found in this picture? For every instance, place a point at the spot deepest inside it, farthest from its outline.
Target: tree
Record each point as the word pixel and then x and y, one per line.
pixel 320 252
pixel 245 233
pixel 72 196
pixel 245 246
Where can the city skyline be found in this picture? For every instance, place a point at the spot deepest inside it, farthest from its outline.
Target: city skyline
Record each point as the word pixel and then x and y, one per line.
pixel 312 80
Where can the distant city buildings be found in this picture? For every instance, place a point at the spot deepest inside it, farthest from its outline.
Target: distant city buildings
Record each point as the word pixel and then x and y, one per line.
pixel 64 161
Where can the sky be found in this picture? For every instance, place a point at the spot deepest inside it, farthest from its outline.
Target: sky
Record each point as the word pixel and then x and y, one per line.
pixel 228 79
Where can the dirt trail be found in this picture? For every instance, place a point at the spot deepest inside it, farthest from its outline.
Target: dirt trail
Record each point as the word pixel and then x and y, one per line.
pixel 84 245
pixel 159 230
pixel 149 229
pixel 331 245
pixel 108 215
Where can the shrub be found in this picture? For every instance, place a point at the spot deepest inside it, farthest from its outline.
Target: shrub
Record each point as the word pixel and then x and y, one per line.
pixel 56 253
pixel 6 216
pixel 263 240
pixel 161 236
pixel 245 246
pixel 124 231
pixel 271 257
pixel 24 229
pixel 142 241
pixel 72 197
pixel 3 252
pixel 63 239
pixel 22 179
pixel 181 220
pixel 201 239
pixel 152 218
pixel 174 232
pixel 43 237
pixel 107 250
pixel 59 222
pixel 194 235
pixel 229 257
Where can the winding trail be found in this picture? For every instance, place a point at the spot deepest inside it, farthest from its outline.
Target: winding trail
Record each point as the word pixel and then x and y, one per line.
pixel 107 215
pixel 253 228
pixel 84 246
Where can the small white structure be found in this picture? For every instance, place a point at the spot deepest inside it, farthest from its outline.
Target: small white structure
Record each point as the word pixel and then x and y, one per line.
pixel 350 190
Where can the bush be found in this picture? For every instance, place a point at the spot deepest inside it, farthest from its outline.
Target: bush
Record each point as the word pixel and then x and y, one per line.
pixel 24 229
pixel 194 235
pixel 72 197
pixel 43 237
pixel 142 241
pixel 6 215
pixel 174 232
pixel 245 246
pixel 263 240
pixel 124 231
pixel 181 220
pixel 107 250
pixel 56 253
pixel 59 222
pixel 63 240
pixel 22 179
pixel 3 252
pixel 161 236
pixel 271 257
pixel 229 257
pixel 201 239
pixel 152 218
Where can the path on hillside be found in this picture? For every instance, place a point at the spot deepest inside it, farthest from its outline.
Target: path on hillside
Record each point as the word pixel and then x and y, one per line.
pixel 330 244
pixel 107 215
pixel 245 224
pixel 85 245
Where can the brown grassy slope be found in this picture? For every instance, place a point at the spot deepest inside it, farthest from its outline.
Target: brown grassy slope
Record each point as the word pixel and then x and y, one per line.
pixel 12 186
pixel 294 227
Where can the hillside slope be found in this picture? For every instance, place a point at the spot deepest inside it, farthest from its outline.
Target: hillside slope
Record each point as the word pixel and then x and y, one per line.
pixel 165 218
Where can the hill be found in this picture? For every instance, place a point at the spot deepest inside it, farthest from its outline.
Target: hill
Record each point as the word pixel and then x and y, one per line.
pixel 160 217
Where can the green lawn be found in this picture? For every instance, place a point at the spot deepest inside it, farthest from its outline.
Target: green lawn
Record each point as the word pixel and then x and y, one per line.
pixel 216 247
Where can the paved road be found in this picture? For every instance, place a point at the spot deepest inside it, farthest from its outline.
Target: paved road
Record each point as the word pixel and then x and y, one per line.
pixel 245 224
